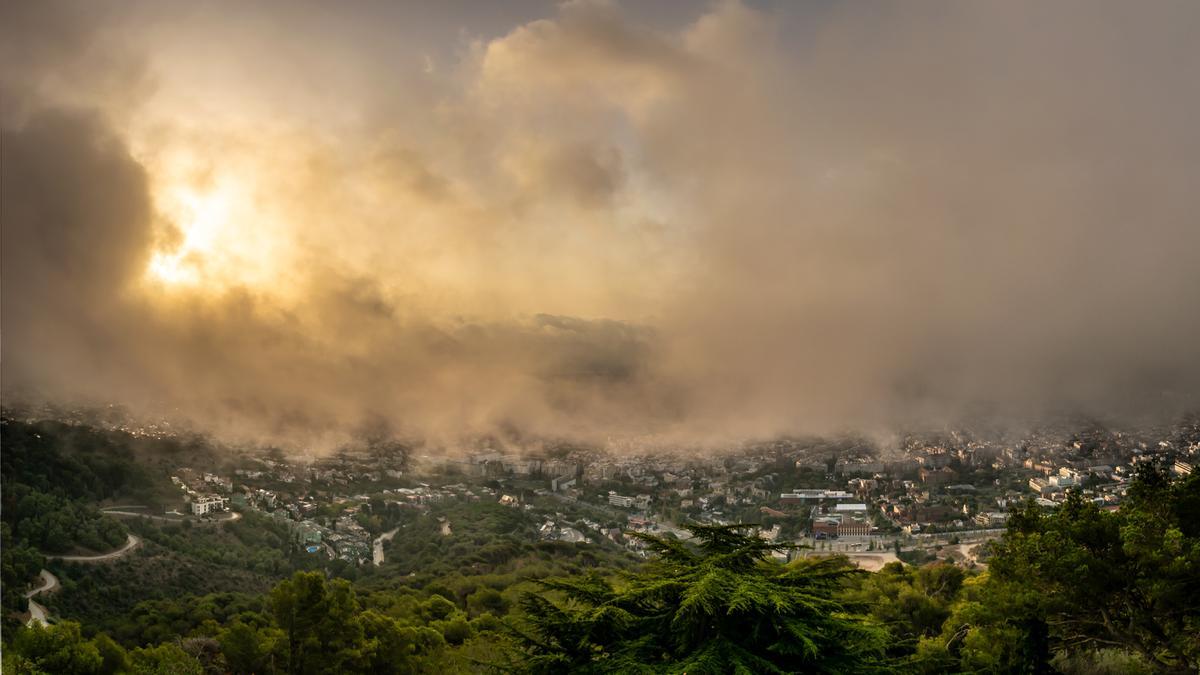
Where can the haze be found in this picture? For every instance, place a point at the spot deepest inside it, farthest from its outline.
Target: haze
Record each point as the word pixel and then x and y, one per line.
pixel 697 222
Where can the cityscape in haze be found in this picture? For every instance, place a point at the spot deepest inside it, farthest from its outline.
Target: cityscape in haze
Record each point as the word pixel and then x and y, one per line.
pixel 592 336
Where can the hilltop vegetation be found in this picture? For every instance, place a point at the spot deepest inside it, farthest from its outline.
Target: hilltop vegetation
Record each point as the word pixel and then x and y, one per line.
pixel 468 587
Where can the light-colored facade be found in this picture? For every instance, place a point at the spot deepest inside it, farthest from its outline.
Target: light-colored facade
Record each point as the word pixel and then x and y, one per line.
pixel 207 504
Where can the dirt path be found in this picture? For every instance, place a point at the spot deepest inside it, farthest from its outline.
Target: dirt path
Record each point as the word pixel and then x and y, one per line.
pixel 964 550
pixel 872 561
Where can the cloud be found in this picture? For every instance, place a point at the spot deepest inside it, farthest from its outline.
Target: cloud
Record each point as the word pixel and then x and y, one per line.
pixel 594 224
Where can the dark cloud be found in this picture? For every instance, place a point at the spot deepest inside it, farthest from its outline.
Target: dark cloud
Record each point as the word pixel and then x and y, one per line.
pixel 76 228
pixel 889 215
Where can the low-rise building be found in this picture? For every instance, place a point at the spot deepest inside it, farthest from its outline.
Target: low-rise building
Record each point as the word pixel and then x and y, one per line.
pixel 620 500
pixel 812 495
pixel 207 504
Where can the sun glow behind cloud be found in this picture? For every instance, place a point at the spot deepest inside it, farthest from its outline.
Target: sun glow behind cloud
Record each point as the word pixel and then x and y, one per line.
pixel 824 218
pixel 217 233
pixel 201 218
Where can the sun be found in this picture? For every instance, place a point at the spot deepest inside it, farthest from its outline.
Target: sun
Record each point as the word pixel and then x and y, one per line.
pixel 201 218
pixel 170 269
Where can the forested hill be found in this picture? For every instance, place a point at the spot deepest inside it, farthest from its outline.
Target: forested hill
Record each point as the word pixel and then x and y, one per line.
pixel 471 586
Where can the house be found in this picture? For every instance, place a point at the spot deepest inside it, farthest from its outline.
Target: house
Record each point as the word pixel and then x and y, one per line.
pixel 207 504
pixel 991 519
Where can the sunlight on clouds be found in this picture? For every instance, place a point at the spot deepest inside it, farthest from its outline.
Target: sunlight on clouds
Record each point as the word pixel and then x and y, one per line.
pixel 201 218
pixel 223 236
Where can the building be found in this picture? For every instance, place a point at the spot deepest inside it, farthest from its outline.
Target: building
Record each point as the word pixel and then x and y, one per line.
pixel 207 504
pixel 562 483
pixel 853 527
pixel 991 519
pixel 825 528
pixel 807 495
pixel 620 500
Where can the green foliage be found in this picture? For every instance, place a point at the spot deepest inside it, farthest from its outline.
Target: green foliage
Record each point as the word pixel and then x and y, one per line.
pixel 75 461
pixel 1079 590
pixel 1127 579
pixel 255 543
pixel 487 538
pixel 912 603
pixel 145 598
pixel 164 659
pixel 55 524
pixel 325 630
pixel 250 649
pixel 318 620
pixel 59 648
pixel 113 658
pixel 1082 589
pixel 719 607
pixel 487 600
pixel 21 564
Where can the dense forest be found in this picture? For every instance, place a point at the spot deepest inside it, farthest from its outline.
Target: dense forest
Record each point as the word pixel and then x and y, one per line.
pixel 1079 589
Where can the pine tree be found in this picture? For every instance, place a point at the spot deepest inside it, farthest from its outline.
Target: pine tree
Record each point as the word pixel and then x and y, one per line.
pixel 722 605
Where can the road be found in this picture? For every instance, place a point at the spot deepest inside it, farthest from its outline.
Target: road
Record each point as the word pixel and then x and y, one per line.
pixel 134 514
pixel 228 517
pixel 386 536
pixel 132 542
pixel 49 583
pixel 37 612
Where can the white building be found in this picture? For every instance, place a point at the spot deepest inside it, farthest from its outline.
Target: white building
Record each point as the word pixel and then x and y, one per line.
pixel 207 504
pixel 620 500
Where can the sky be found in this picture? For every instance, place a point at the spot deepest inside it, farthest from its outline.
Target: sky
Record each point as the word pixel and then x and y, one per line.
pixel 697 222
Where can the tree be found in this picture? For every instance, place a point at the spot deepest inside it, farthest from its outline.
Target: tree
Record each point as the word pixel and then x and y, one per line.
pixel 113 658
pixel 912 602
pixel 165 659
pixel 487 600
pixel 1082 579
pixel 320 620
pixel 59 648
pixel 245 649
pixel 721 606
pixel 395 648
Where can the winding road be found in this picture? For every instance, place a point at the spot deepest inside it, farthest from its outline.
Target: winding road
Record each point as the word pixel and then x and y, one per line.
pixel 228 517
pixel 386 536
pixel 131 542
pixel 37 612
